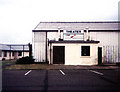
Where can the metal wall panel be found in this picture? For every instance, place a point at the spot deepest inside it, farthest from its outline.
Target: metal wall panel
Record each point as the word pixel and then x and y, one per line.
pixel 52 35
pixel 110 54
pixel 39 51
pixel 109 44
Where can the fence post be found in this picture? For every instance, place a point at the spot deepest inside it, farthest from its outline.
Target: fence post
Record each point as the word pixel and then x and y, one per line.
pixel 30 49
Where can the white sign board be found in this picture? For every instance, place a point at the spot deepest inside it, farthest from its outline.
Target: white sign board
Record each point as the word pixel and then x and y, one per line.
pixel 73 34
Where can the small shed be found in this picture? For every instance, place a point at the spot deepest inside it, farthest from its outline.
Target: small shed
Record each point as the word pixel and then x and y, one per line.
pixel 74 52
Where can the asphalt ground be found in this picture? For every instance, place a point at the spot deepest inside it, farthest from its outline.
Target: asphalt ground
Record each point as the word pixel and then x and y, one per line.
pixel 79 80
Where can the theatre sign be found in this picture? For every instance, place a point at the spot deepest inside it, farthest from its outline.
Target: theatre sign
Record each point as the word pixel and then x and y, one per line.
pixel 73 34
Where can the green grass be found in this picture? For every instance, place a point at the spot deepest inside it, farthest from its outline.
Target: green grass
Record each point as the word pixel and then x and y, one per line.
pixel 11 65
pixel 6 63
pixel 28 66
pixel 38 66
pixel 49 67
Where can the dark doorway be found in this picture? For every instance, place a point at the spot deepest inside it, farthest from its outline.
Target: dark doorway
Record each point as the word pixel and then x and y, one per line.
pixel 58 54
pixel 99 55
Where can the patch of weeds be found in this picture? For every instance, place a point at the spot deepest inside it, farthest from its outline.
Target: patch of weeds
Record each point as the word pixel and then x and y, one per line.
pixel 25 60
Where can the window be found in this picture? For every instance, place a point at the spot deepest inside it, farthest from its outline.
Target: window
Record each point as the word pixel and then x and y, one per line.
pixel 85 50
pixel 20 53
pixel 5 53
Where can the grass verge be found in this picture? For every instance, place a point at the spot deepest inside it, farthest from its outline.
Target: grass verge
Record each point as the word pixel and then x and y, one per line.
pixel 7 63
pixel 48 67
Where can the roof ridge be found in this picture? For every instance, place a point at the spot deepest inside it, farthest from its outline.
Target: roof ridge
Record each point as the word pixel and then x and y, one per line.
pixel 79 22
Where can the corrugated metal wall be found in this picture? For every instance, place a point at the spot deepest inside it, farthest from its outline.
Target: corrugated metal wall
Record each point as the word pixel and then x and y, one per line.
pixel 110 54
pixel 109 44
pixel 39 49
pixel 119 46
pixel 52 35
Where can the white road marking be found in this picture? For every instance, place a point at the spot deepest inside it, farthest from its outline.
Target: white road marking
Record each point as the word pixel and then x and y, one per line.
pixel 96 72
pixel 28 72
pixel 62 72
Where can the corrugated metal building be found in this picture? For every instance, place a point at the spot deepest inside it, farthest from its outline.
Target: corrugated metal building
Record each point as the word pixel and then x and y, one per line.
pixel 107 33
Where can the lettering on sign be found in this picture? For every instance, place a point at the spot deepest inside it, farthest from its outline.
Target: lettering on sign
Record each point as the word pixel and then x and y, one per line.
pixel 73 34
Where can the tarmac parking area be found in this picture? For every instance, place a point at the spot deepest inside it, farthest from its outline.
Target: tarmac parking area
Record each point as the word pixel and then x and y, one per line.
pixel 64 79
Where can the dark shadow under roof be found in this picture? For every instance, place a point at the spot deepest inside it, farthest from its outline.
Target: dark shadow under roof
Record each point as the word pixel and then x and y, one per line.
pixel 67 41
pixel 15 47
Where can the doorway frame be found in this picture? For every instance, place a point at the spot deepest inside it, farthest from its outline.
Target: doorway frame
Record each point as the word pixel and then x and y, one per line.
pixel 63 54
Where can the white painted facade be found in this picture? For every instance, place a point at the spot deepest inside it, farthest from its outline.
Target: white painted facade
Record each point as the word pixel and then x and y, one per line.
pixel 73 53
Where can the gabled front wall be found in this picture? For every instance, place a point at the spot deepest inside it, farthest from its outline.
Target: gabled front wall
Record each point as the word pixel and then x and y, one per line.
pixel 105 32
pixel 108 42
pixel 73 54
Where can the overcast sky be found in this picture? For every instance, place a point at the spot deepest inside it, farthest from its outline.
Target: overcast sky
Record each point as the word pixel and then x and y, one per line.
pixel 19 17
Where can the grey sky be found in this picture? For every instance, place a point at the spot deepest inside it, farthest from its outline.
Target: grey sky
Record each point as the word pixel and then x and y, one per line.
pixel 19 17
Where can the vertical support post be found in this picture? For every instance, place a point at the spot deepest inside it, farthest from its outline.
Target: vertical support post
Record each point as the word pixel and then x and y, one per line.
pixel 87 33
pixel 59 34
pixel 10 52
pixel 108 55
pixel 46 48
pixel 118 54
pixel 30 50
pixel 103 53
pixel 23 50
pixel 50 54
pixel 113 54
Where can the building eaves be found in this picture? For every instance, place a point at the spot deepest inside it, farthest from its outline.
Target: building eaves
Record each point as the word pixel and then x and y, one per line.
pixel 100 25
pixel 67 41
pixel 15 47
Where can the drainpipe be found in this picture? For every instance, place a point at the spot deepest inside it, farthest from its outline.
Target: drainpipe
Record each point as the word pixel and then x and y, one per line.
pixel 10 52
pixel 50 54
pixel 87 33
pixel 59 34
pixel 82 31
pixel 23 50
pixel 30 49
